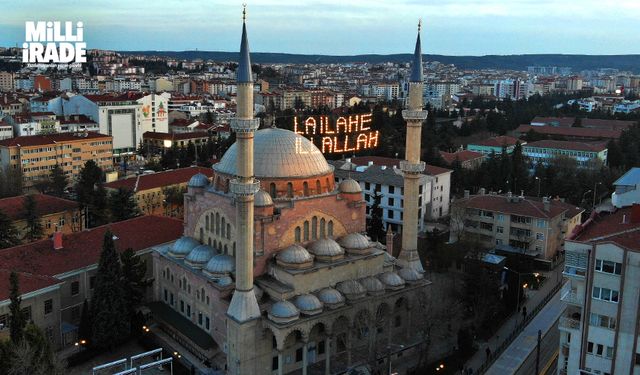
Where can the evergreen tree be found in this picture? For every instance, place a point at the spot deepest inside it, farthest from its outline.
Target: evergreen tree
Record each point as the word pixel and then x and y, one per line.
pixel 169 157
pixel 17 319
pixel 519 169
pixel 90 175
pixel 9 235
pixel 32 356
pixel 99 214
pixel 122 204
pixel 58 181
pixel 33 230
pixel 376 230
pixel 615 157
pixel 84 329
pixel 108 305
pixel 135 283
pixel 191 154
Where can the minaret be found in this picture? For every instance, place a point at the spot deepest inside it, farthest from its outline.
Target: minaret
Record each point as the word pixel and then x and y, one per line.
pixel 412 167
pixel 243 311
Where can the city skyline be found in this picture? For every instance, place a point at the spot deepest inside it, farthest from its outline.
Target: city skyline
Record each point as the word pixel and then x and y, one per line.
pixel 450 28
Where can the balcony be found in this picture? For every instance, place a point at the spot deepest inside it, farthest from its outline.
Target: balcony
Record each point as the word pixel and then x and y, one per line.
pixel 574 272
pixel 569 324
pixel 572 297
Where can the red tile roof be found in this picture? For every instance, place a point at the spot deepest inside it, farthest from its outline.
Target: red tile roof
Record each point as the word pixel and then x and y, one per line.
pixel 500 141
pixel 159 179
pixel 617 227
pixel 461 156
pixel 45 205
pixel 569 145
pixel 174 136
pixel 606 124
pixel 75 119
pixel 571 132
pixel 560 121
pixel 531 207
pixel 393 162
pixel 82 249
pixel 48 139
pixel 27 282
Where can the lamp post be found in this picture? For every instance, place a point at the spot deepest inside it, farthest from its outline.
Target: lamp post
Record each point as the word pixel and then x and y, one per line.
pixel 538 179
pixel 595 189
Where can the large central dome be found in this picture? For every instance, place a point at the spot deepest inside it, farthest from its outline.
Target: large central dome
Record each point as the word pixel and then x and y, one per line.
pixel 279 153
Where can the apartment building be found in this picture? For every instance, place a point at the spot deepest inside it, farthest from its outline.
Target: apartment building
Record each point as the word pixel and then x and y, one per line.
pixel 599 328
pixel 585 154
pixel 627 189
pixel 494 145
pixel 514 224
pixel 6 81
pixel 56 276
pixel 36 155
pixel 56 214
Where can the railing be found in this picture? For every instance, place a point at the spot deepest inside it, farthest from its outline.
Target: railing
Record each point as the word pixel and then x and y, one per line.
pixel 572 297
pixel 409 167
pixel 414 115
pixel 569 323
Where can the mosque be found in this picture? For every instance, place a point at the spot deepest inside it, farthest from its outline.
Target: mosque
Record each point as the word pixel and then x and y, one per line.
pixel 274 273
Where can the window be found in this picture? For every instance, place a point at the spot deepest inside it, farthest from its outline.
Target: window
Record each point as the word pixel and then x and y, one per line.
pixel 391 201
pixel 199 318
pixel 181 306
pixel 590 347
pixel 390 214
pixel 608 266
pixel 289 190
pixel 609 353
pixel 392 189
pixel 500 217
pixel 314 228
pixel 75 288
pixel 322 228
pixel 499 229
pixel 305 188
pixel 330 228
pixel 599 349
pixel 539 236
pixel 321 347
pixel 605 294
pixel 306 230
pixel 274 363
pixel 92 282
pixel 602 321
pixel 318 188
pixel 298 354
pixel 166 295
pixel 207 322
pixel 541 223
pixel 367 186
pixel 48 306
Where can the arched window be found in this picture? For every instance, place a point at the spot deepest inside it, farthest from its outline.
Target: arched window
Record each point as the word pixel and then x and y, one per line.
pixel 322 229
pixel 217 223
pixel 228 231
pixel 223 227
pixel 318 188
pixel 272 190
pixel 215 244
pixel 209 241
pixel 314 228
pixel 226 186
pixel 234 248
pixel 201 234
pixel 202 294
pixel 207 225
pixel 328 185
pixel 289 190
pixel 305 188
pixel 306 230
pixel 330 228
pixel 226 249
pixel 297 234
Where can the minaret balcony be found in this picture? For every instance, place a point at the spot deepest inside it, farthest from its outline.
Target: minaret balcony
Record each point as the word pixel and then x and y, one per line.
pixel 244 188
pixel 414 115
pixel 409 167
pixel 244 125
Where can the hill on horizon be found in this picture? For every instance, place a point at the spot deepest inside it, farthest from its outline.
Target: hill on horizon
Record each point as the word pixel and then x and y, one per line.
pixel 514 62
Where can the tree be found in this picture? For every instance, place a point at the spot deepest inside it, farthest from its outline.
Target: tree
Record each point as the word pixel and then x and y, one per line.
pixel 84 329
pixel 108 306
pixel 10 182
pixel 190 154
pixel 9 235
pixel 519 169
pixel 135 283
pixel 376 230
pixel 99 212
pixel 33 355
pixel 122 204
pixel 93 200
pixel 615 157
pixel 58 181
pixel 33 230
pixel 17 318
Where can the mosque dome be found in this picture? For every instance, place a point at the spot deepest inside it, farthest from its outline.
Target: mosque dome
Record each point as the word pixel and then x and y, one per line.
pixel 410 275
pixel 349 186
pixel 372 285
pixel 283 312
pixel 308 304
pixel 391 280
pixel 352 289
pixel 355 243
pixel 262 199
pixel 331 298
pixel 183 246
pixel 326 250
pixel 220 265
pixel 295 257
pixel 279 153
pixel 199 180
pixel 199 256
pixel 224 281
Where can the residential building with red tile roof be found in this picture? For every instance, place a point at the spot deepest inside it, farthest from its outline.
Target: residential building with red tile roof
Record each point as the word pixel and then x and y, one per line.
pixel 56 214
pixel 153 190
pixel 468 159
pixel 157 142
pixel 56 281
pixel 592 154
pixel 516 224
pixel 576 134
pixel 494 145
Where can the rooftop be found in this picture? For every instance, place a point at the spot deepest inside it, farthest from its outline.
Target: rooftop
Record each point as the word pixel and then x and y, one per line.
pixel 28 282
pixel 500 141
pixel 621 227
pixel 528 206
pixel 569 145
pixel 631 178
pixel 393 162
pixel 48 139
pixel 461 156
pixel 571 132
pixel 174 136
pixel 13 207
pixel 159 179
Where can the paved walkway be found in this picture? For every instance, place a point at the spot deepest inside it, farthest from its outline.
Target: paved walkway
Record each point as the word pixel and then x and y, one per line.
pixel 534 298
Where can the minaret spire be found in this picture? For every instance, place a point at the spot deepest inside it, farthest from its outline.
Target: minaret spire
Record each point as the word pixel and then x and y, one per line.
pixel 244 61
pixel 416 66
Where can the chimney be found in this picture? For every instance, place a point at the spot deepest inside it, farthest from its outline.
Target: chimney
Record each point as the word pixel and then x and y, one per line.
pixel 466 194
pixel 383 167
pixel 57 240
pixel 348 160
pixel 635 213
pixel 624 219
pixel 509 195
pixel 546 203
pixel 482 191
pixel 370 163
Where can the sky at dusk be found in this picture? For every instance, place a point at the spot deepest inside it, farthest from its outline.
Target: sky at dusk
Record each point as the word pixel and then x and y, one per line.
pixel 342 27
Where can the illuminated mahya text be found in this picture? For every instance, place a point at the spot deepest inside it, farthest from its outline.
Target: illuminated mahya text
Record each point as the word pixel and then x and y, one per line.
pixel 347 134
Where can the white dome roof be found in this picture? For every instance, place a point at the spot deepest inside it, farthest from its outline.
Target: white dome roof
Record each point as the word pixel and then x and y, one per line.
pixel 199 256
pixel 183 246
pixel 351 289
pixel 410 275
pixel 279 153
pixel 331 297
pixel 372 285
pixel 262 199
pixel 220 265
pixel 355 241
pixel 326 247
pixel 295 255
pixel 308 304
pixel 391 280
pixel 349 186
pixel 199 180
pixel 283 312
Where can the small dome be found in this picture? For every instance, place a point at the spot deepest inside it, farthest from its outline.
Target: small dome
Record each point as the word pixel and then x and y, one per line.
pixel 355 243
pixel 262 199
pixel 326 250
pixel 351 289
pixel 372 285
pixel 224 281
pixel 308 304
pixel 183 246
pixel 410 275
pixel 199 256
pixel 349 186
pixel 283 312
pixel 199 180
pixel 294 256
pixel 331 298
pixel 391 280
pixel 220 265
